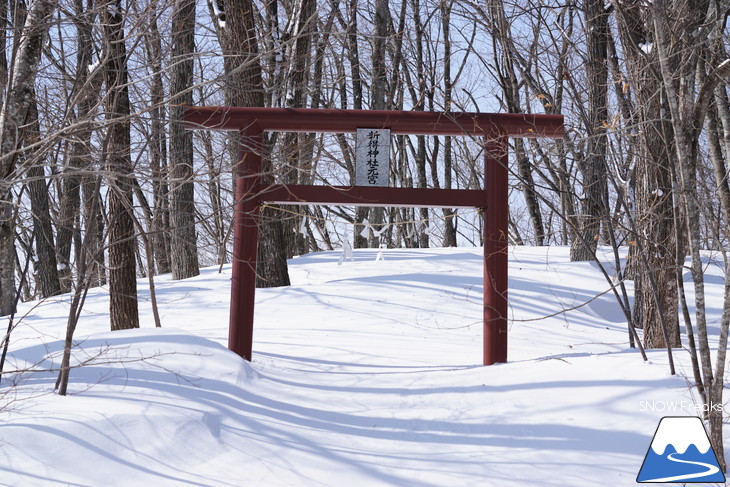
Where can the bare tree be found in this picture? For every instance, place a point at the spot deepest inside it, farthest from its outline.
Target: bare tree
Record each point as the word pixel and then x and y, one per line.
pixel 244 87
pixel 47 264
pixel 593 165
pixel 15 109
pixel 690 84
pixel 84 95
pixel 160 223
pixel 505 72
pixel 122 276
pixel 184 248
pixel 655 261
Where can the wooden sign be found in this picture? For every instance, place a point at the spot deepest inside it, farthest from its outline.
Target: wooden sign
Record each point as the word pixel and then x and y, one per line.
pixel 372 157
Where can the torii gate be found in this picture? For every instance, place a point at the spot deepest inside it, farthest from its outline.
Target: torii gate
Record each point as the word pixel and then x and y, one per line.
pixel 251 123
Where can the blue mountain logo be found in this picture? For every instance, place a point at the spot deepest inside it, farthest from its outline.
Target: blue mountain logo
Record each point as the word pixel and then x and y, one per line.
pixel 680 452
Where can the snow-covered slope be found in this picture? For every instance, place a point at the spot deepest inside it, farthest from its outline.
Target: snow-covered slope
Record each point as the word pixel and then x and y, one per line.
pixel 364 374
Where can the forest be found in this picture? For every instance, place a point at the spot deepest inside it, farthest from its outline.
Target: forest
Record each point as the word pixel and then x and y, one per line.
pixel 101 184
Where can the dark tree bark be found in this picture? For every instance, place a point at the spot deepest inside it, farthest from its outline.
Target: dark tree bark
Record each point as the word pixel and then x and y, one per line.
pixel 449 214
pixel 654 262
pixel 17 104
pixel 298 147
pixel 46 267
pixel 353 55
pixel 183 244
pixel 593 164
pixel 3 43
pixel 511 89
pixel 418 95
pixel 244 88
pixel 377 95
pixel 160 224
pixel 353 58
pixel 122 276
pixel 85 92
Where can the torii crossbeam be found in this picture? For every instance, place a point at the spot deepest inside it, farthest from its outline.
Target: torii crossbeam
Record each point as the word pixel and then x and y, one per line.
pixel 251 123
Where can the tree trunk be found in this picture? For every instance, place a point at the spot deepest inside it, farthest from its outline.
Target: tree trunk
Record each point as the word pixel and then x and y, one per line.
pixel 47 264
pixel 720 171
pixel 449 239
pixel 214 193
pixel 378 91
pixel 353 57
pixel 160 225
pixel 689 83
pixel 3 45
pixel 244 88
pixel 593 164
pixel 122 243
pixel 183 244
pixel 85 93
pixel 511 89
pixel 13 116
pixel 653 261
pixel 297 147
pixel 418 94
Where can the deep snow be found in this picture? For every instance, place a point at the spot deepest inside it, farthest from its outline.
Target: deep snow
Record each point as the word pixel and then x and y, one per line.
pixel 364 374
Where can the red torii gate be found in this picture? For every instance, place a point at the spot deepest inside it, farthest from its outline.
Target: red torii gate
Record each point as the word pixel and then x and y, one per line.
pixel 251 123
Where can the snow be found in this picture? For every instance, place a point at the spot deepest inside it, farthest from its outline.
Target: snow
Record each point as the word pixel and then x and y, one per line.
pixel 346 253
pixel 218 13
pixel 646 47
pixel 94 65
pixel 680 433
pixel 365 373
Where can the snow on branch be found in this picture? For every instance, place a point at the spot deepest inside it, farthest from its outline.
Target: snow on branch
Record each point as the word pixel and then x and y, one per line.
pixel 219 13
pixel 723 69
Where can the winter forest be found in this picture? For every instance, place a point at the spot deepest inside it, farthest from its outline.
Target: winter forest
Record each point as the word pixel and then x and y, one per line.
pixel 100 183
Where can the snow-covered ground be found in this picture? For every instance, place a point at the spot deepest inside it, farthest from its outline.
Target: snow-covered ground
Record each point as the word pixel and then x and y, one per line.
pixel 364 374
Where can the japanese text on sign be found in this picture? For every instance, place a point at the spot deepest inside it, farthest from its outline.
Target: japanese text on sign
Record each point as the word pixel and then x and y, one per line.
pixel 372 157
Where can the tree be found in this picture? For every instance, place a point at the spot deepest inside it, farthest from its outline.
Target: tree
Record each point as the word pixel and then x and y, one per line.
pixel 593 164
pixel 84 95
pixel 16 107
pixel 689 83
pixel 655 255
pixel 449 220
pixel 122 276
pixel 244 88
pixel 504 64
pixel 47 264
pixel 297 148
pixel 184 248
pixel 160 222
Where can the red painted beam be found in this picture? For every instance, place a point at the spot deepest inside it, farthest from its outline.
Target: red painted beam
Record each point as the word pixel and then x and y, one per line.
pixel 373 196
pixel 496 160
pixel 245 244
pixel 399 122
